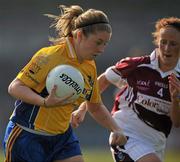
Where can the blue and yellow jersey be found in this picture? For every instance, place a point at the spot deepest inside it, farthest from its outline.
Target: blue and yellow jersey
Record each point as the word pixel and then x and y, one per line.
pixel 53 120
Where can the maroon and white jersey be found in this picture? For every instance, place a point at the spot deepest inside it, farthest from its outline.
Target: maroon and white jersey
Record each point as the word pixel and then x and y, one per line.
pixel 147 90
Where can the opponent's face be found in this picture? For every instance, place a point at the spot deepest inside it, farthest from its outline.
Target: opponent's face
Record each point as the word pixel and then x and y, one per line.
pixel 93 45
pixel 169 48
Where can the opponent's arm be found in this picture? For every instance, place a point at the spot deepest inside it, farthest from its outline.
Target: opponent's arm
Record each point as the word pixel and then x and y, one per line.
pixel 174 88
pixel 101 114
pixel 103 83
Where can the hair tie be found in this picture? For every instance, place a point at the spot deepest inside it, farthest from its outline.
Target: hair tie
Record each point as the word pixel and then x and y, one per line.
pixel 89 24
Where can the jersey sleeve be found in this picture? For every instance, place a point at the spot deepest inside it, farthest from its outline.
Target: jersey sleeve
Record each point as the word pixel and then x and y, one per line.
pixel 114 78
pixel 34 73
pixel 119 73
pixel 126 66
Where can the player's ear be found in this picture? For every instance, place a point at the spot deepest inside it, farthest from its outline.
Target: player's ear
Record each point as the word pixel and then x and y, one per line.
pixel 79 35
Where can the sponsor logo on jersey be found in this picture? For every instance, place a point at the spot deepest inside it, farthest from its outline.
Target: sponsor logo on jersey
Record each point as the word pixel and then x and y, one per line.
pixel 160 84
pixel 31 77
pixel 143 83
pixel 36 65
pixel 154 104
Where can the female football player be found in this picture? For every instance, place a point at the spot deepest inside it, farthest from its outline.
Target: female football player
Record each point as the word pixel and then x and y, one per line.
pixel 39 129
pixel 149 104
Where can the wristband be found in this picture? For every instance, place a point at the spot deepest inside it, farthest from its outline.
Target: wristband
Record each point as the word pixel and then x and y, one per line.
pixel 44 102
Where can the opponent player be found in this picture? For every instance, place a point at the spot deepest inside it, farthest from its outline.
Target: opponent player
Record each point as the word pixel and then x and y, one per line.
pixel 39 129
pixel 149 103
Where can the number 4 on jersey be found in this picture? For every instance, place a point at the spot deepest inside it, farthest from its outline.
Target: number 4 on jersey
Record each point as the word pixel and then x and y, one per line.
pixel 160 92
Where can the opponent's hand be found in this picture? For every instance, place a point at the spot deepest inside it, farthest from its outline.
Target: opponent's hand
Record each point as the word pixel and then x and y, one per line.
pixel 174 87
pixel 117 138
pixel 52 100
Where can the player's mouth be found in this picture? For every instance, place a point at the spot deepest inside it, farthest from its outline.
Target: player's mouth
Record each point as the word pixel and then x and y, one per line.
pixel 167 55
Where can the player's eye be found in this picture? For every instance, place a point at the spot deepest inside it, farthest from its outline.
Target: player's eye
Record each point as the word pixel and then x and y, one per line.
pixel 163 42
pixel 99 43
pixel 172 43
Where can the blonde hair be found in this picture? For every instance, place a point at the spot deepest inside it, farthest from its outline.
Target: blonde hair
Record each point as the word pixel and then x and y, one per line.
pixel 163 23
pixel 74 17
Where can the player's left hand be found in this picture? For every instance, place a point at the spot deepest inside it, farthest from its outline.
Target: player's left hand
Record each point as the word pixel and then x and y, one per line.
pixel 117 138
pixel 174 87
pixel 78 115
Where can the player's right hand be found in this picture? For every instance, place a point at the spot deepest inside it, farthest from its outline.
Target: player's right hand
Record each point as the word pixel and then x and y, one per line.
pixel 52 100
pixel 117 138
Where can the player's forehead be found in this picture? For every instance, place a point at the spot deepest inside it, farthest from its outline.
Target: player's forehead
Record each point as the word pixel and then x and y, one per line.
pixel 170 33
pixel 100 35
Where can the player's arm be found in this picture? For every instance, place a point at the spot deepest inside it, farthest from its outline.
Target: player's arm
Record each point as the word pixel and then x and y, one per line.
pixel 174 87
pixel 104 80
pixel 78 115
pixel 101 114
pixel 111 76
pixel 103 83
pixel 22 92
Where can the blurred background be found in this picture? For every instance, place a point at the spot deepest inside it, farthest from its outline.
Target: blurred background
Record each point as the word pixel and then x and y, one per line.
pixel 24 30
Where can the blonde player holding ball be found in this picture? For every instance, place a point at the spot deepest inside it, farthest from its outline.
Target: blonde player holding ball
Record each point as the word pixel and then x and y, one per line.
pixel 39 129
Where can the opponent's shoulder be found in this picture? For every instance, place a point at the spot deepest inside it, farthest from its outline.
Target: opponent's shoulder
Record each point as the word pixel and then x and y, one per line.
pixel 133 61
pixel 136 60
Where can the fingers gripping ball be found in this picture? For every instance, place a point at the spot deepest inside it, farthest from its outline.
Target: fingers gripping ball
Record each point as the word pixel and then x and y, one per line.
pixel 68 80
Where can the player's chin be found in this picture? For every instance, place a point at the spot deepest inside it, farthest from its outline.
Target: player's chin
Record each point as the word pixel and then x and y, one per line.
pixel 90 59
pixel 93 57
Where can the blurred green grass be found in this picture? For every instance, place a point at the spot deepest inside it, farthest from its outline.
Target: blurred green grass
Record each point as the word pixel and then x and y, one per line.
pixel 100 155
pixel 105 156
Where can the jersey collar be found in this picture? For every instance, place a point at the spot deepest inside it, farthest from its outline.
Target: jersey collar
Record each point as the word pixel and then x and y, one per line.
pixel 72 53
pixel 155 64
